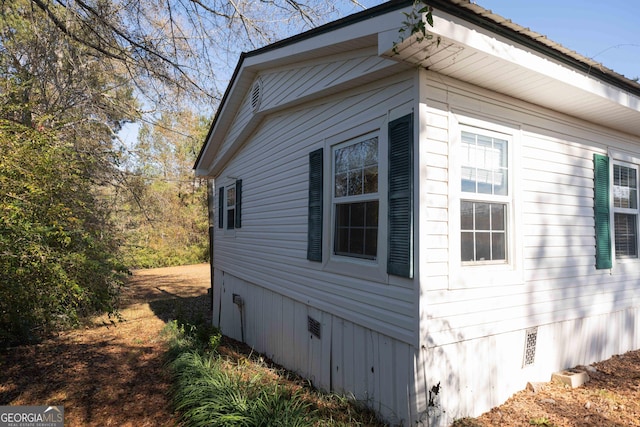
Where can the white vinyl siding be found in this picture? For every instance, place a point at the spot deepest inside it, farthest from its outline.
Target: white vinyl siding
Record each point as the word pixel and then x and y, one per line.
pixel 271 248
pixel 555 188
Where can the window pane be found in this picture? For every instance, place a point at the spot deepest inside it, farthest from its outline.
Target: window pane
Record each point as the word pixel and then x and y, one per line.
pixel 231 196
pixel 341 185
pixel 231 218
pixel 466 246
pixel 497 216
pixel 625 193
pixel 356 244
pixel 355 183
pixel 498 246
pixel 372 214
pixel 466 215
pixel 371 242
pixel 483 231
pixel 484 164
pixel 483 246
pixel 626 236
pixel 357 214
pixel 342 215
pixel 468 180
pixel 356 156
pixel 356 232
pixel 341 160
pixel 371 152
pixel 483 221
pixel 371 180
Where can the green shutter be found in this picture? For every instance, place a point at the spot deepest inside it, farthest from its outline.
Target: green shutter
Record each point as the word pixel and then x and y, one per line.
pixel 314 234
pixel 238 222
pixel 400 239
pixel 601 211
pixel 221 207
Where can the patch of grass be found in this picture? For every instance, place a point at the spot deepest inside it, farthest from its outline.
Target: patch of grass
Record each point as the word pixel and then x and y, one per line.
pixel 465 422
pixel 542 421
pixel 212 389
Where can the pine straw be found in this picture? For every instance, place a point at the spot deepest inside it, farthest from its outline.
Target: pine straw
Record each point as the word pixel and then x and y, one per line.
pixel 610 399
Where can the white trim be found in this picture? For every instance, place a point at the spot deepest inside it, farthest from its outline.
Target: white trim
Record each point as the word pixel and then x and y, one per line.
pixel 352 266
pixel 462 275
pixel 633 162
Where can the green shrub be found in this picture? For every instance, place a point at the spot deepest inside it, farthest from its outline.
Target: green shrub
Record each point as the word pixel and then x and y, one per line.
pixel 57 259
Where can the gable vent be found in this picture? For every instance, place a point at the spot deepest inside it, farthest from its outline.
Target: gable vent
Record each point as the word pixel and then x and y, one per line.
pixel 530 339
pixel 313 326
pixel 256 95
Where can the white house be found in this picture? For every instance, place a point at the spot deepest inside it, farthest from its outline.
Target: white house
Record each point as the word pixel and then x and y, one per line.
pixel 431 226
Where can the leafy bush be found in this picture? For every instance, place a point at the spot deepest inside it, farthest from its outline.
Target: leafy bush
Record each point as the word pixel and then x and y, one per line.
pixel 56 251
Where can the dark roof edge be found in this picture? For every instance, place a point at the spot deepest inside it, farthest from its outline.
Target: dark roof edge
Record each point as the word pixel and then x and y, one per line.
pixel 218 111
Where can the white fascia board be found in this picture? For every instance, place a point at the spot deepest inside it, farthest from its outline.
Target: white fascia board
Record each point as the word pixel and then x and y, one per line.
pixel 465 34
pixel 308 48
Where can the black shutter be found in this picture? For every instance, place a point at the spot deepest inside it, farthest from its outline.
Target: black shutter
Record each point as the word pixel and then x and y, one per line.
pixel 400 256
pixel 221 207
pixel 601 211
pixel 238 222
pixel 314 233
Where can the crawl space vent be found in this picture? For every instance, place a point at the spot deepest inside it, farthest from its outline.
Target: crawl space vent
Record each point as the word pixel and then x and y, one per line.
pixel 530 338
pixel 313 326
pixel 256 95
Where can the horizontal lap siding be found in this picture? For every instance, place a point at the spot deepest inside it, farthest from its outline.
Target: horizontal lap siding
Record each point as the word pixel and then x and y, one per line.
pixel 555 192
pixel 270 248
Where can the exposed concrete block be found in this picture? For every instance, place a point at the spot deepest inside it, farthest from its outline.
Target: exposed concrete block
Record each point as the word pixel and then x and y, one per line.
pixel 571 378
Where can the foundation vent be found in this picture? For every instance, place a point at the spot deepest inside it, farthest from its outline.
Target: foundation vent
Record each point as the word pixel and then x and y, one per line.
pixel 313 326
pixel 530 339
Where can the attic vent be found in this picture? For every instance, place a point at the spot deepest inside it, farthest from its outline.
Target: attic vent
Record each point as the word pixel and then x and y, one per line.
pixel 256 95
pixel 313 326
pixel 530 338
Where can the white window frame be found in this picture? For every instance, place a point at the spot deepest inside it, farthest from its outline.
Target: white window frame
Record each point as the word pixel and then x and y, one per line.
pixel 362 268
pixel 365 197
pixel 627 160
pixel 485 273
pixel 231 185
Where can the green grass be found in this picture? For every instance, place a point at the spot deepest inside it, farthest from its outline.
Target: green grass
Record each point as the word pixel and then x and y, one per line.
pixel 210 389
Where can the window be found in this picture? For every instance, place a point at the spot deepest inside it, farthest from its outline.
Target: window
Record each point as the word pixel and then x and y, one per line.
pixel 625 211
pixel 230 203
pixel 485 199
pixel 231 207
pixel 356 199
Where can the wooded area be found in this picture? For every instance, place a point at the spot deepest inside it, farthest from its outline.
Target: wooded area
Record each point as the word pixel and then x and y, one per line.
pixel 81 205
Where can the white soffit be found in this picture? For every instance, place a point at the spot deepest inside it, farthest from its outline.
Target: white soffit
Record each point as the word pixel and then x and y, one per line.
pixel 480 57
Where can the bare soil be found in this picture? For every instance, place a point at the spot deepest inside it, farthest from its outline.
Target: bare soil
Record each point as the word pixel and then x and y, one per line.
pixel 112 373
pixel 611 398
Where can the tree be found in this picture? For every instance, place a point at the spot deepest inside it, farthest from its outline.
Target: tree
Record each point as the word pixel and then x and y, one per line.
pixel 56 251
pixel 72 73
pixel 162 207
pixel 59 109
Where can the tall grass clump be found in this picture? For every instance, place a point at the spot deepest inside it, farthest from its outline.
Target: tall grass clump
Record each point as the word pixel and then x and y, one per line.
pixel 209 390
pixel 217 385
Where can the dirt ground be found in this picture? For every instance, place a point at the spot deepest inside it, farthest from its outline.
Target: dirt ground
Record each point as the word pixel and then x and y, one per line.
pixel 611 398
pixel 112 374
pixel 109 374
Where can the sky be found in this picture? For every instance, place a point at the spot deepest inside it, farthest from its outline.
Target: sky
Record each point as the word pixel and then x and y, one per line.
pixel 607 32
